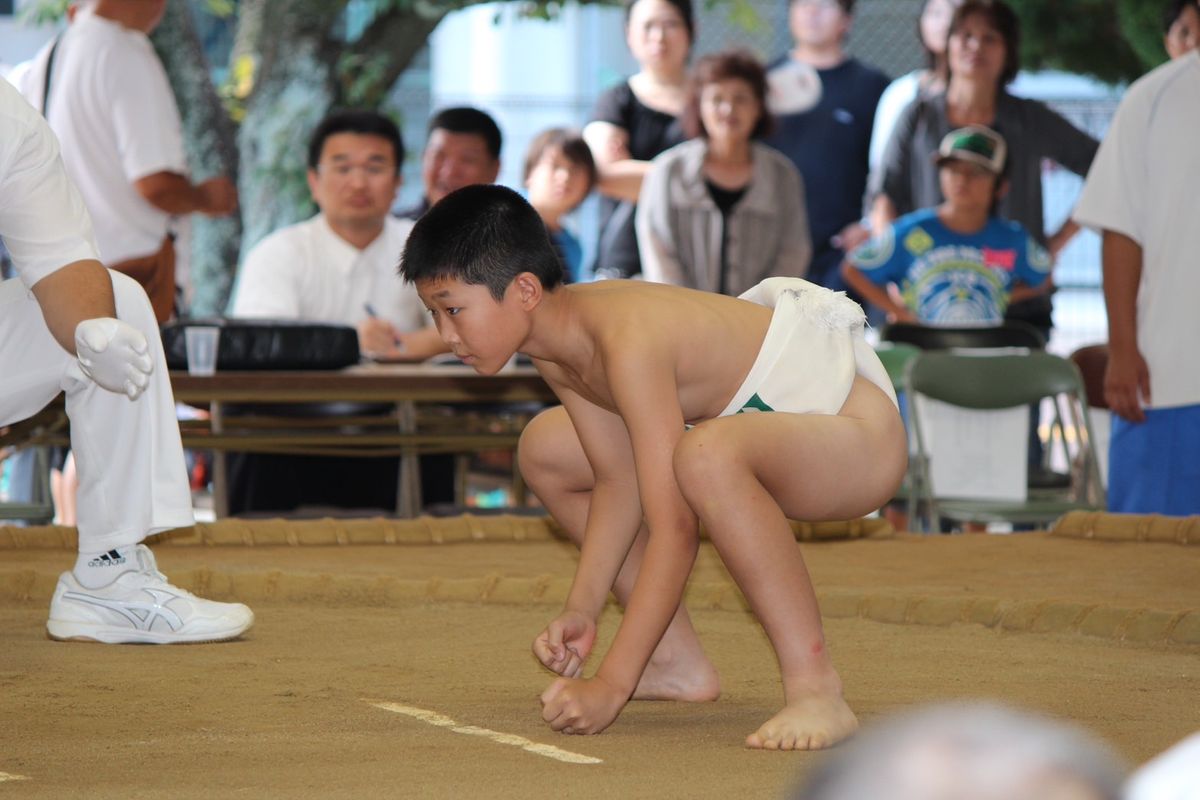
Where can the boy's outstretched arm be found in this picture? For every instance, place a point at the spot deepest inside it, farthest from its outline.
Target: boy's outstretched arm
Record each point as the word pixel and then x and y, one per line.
pixel 614 516
pixel 644 390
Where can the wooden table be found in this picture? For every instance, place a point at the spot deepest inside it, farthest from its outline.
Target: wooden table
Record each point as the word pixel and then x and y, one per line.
pixel 408 389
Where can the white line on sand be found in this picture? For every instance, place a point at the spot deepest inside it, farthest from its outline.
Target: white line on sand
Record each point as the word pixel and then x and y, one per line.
pixel 434 718
pixel 8 776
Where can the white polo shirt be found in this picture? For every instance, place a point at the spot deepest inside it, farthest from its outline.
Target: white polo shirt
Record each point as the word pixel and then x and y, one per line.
pixel 307 272
pixel 42 217
pixel 113 111
pixel 1145 184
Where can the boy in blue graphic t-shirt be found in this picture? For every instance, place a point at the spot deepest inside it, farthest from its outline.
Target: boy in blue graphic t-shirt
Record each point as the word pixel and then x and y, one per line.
pixel 956 264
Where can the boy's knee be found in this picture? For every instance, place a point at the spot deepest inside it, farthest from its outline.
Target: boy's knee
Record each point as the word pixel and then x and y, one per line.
pixel 536 447
pixel 701 459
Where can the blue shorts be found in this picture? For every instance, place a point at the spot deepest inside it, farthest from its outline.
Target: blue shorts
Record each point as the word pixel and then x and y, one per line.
pixel 1154 466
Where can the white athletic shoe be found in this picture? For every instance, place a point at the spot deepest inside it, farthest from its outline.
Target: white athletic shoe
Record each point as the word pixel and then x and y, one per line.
pixel 140 606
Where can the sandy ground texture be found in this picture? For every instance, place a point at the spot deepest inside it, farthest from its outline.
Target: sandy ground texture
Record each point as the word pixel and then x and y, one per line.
pixel 393 661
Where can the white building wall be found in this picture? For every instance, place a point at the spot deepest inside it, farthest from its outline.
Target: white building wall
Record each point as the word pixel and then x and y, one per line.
pixel 529 74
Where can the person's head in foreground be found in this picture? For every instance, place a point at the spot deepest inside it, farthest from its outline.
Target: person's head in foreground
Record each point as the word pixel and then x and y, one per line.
pixel 971 163
pixel 1172 775
pixel 1181 27
pixel 482 262
pixel 968 751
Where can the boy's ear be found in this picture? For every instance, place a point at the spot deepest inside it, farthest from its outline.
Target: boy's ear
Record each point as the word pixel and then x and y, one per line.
pixel 529 290
pixel 1002 187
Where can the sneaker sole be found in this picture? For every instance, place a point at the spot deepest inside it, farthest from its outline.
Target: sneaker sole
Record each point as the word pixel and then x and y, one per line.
pixel 76 632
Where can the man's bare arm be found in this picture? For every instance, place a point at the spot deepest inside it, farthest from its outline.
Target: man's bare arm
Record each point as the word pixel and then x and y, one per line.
pixel 79 291
pixel 1127 378
pixel 175 194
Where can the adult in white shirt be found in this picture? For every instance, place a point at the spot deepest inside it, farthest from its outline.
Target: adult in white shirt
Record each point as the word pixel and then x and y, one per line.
pixel 110 104
pixel 1141 195
pixel 340 266
pixel 68 325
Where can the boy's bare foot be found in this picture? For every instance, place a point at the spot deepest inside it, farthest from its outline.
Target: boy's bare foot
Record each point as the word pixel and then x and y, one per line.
pixel 812 722
pixel 679 671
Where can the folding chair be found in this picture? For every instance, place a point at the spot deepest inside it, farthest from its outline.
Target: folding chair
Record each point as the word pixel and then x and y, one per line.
pixel 1011 333
pixel 896 357
pixel 993 382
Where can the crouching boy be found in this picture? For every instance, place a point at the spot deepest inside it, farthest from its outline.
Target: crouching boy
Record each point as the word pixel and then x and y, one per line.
pixel 655 435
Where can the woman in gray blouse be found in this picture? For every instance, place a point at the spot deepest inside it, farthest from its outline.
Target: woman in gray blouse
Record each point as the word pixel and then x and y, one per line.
pixel 723 211
pixel 982 58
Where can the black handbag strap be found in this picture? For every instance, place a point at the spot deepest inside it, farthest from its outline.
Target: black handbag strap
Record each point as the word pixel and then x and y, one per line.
pixel 46 82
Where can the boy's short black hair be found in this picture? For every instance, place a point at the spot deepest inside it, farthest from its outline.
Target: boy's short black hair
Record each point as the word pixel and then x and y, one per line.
pixel 484 235
pixel 361 121
pixel 464 119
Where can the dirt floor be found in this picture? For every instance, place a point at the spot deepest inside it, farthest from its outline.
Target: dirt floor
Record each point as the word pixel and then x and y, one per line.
pixel 1104 633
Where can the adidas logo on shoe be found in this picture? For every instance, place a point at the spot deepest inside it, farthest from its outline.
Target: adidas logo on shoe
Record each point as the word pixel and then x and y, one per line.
pixel 110 559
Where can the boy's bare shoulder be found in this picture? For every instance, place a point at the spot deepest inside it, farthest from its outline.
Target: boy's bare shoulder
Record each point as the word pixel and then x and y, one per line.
pixel 653 314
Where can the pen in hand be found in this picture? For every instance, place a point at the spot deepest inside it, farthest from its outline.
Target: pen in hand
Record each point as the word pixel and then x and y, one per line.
pixel 373 314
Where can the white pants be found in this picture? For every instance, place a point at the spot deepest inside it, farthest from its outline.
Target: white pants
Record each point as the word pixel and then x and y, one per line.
pixel 132 477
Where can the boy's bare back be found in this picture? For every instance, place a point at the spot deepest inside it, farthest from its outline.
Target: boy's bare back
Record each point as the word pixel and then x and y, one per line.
pixel 708 341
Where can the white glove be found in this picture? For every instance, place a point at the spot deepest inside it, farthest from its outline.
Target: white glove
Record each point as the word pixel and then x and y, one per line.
pixel 115 355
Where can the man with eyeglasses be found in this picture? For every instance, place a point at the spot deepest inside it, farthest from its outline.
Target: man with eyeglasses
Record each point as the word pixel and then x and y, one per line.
pixel 338 267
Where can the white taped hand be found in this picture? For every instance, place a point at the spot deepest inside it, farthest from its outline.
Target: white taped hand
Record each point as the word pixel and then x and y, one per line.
pixel 115 355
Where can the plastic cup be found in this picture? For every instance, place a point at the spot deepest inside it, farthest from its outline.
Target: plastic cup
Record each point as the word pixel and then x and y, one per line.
pixel 202 349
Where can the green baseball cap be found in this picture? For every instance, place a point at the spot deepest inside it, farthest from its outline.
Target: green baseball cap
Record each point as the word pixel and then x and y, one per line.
pixel 976 144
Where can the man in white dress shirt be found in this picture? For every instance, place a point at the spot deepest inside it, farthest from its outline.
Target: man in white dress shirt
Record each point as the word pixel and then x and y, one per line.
pixel 338 267
pixel 68 325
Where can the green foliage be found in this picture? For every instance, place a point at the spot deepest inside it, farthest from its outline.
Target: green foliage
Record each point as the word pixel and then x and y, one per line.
pixel 221 8
pixel 44 12
pixel 1115 41
pixel 743 14
pixel 1141 23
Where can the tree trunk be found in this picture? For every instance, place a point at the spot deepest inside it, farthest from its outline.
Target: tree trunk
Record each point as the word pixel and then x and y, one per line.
pixel 294 87
pixel 209 140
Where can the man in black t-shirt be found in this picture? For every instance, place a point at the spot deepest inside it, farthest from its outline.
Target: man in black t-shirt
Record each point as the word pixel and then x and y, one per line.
pixel 824 101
